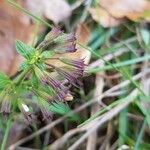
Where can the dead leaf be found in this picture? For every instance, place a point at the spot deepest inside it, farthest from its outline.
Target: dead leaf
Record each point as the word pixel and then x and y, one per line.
pixel 110 13
pixel 55 10
pixel 13 25
pixel 104 18
pixel 83 35
pixel 126 8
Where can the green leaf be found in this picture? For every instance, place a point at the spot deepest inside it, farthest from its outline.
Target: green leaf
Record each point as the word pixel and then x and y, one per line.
pixel 34 80
pixel 24 50
pixel 145 111
pixel 47 54
pixel 24 65
pixel 62 109
pixel 41 66
pixel 4 81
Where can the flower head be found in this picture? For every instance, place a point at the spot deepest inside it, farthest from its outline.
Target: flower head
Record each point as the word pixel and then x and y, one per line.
pixel 57 86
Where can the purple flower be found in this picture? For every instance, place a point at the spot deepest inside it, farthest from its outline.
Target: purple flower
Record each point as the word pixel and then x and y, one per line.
pixel 59 88
pixel 79 63
pixel 45 112
pixel 70 75
pixel 70 37
pixel 66 38
pixel 65 48
pixel 71 48
pixel 54 33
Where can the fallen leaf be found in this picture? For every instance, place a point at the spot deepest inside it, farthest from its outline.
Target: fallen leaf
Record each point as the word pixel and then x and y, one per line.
pixel 55 10
pixel 101 16
pixel 83 35
pixel 126 8
pixel 110 13
pixel 13 25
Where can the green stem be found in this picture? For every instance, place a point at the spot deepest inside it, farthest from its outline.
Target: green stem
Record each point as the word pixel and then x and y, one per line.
pixel 28 13
pixel 21 76
pixel 6 134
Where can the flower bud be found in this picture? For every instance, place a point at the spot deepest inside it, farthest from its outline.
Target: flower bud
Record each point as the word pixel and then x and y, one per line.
pixel 65 48
pixel 65 38
pixel 28 116
pixel 71 76
pixel 6 106
pixel 54 33
pixel 79 63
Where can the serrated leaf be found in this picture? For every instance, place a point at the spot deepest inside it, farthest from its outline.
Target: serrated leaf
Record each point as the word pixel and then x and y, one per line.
pixel 24 50
pixel 41 66
pixel 24 65
pixel 47 54
pixel 34 80
pixel 4 81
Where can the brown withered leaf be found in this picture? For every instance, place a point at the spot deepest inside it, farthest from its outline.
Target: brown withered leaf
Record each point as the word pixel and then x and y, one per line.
pixel 101 16
pixel 55 10
pixel 112 12
pixel 13 25
pixel 83 35
pixel 126 8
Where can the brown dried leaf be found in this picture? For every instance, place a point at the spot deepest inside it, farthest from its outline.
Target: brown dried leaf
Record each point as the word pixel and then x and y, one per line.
pixel 55 10
pixel 104 18
pixel 126 8
pixel 13 25
pixel 111 13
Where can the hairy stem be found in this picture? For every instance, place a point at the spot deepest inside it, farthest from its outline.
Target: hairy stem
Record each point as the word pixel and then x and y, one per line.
pixel 6 134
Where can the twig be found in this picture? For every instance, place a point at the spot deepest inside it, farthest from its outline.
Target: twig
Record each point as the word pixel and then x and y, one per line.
pixel 106 144
pixel 108 57
pixel 94 125
pixel 58 143
pixel 91 143
pixel 114 146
